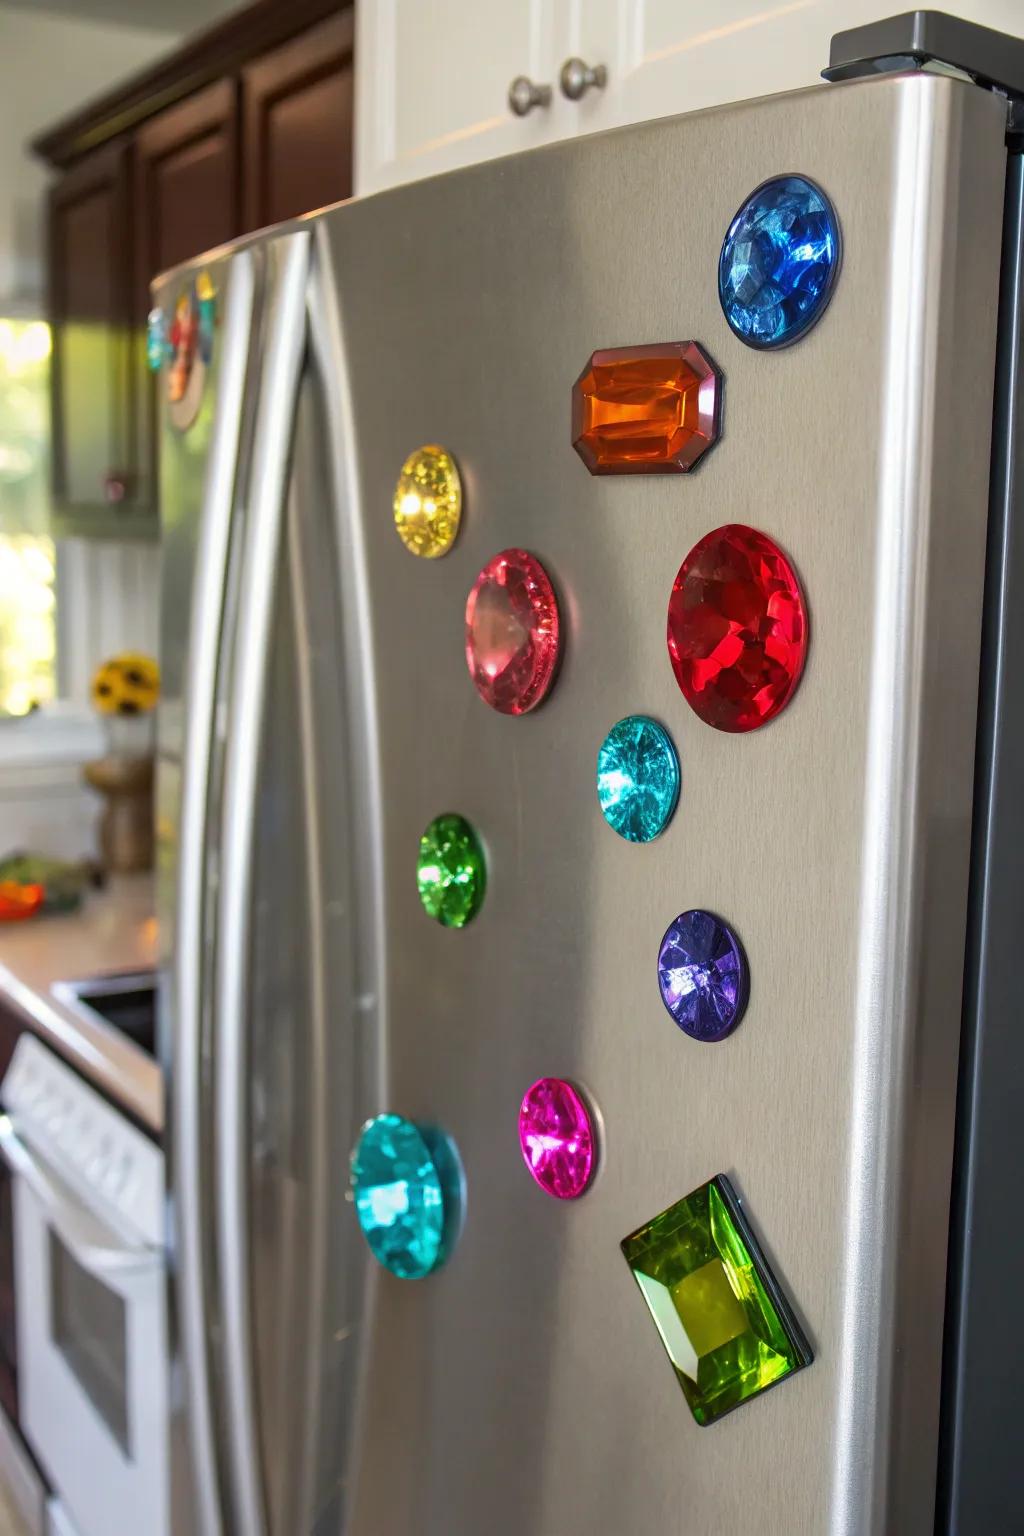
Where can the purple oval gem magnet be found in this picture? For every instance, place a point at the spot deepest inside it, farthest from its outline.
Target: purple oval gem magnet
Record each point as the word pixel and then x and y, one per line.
pixel 702 973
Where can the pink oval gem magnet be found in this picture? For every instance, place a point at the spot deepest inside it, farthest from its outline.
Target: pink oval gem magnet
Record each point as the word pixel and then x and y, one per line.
pixel 512 632
pixel 556 1135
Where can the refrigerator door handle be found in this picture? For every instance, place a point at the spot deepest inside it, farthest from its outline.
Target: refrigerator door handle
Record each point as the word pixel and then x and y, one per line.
pixel 187 1109
pixel 285 342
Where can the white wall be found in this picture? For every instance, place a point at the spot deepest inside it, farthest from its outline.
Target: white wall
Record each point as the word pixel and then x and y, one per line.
pixel 49 66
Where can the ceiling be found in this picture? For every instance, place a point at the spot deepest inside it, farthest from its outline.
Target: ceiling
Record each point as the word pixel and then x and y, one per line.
pixel 159 15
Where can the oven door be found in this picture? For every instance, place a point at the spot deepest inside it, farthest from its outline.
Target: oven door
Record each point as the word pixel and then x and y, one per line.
pixel 92 1353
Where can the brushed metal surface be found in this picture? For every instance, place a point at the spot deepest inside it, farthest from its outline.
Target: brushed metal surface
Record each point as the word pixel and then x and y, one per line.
pixel 310 1035
pixel 523 1389
pixel 360 777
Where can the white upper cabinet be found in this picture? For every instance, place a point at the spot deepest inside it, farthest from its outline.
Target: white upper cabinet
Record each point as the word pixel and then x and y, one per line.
pixel 671 56
pixel 433 76
pixel 433 80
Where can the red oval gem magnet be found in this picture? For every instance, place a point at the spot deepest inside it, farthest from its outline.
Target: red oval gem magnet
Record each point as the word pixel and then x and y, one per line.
pixel 737 629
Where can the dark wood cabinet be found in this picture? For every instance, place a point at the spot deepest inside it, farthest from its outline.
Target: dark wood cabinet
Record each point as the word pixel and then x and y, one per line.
pixel 297 108
pixel 186 186
pixel 248 124
pixel 186 181
pixel 92 312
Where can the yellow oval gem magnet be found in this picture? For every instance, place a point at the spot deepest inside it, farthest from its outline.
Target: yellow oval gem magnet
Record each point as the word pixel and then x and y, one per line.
pixel 428 502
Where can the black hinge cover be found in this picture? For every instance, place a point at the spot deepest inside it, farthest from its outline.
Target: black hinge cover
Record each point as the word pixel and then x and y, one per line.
pixel 930 40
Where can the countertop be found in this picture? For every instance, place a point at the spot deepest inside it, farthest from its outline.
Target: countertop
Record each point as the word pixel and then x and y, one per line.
pixel 114 930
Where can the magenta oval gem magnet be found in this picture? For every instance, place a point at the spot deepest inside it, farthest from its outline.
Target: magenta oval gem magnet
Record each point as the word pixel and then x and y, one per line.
pixel 557 1138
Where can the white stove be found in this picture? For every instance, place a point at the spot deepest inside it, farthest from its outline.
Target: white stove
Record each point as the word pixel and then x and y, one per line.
pixel 90 1285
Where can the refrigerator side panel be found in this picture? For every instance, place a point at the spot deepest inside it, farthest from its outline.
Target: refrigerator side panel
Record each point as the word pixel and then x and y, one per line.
pixel 979 1462
pixel 941 311
pixel 522 1388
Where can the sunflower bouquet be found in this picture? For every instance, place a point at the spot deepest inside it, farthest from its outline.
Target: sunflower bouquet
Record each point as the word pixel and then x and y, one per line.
pixel 125 691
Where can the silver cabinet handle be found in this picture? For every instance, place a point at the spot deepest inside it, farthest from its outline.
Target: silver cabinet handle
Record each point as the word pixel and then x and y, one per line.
pixel 577 78
pixel 524 95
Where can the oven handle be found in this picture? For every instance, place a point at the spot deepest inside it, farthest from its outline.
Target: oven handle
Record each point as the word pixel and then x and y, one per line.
pixel 90 1243
pixel 288 265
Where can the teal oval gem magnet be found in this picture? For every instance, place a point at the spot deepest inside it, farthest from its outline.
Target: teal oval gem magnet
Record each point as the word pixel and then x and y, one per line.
pixel 406 1185
pixel 156 339
pixel 637 778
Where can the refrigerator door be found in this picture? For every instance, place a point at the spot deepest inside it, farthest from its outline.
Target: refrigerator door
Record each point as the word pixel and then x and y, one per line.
pixel 522 1388
pixel 295 992
pixel 201 393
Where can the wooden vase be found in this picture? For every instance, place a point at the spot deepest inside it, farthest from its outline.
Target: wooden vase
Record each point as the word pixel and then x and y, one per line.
pixel 126 822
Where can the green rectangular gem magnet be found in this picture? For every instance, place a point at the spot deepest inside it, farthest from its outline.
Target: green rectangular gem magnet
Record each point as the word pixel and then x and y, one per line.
pixel 725 1324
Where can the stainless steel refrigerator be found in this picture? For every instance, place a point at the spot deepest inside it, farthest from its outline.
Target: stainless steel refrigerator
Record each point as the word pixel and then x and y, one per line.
pixel 319 714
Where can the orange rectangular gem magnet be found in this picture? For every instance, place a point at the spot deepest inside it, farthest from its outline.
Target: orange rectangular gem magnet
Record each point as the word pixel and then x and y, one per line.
pixel 651 410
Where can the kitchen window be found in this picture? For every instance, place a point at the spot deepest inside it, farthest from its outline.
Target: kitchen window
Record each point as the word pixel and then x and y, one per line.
pixel 28 673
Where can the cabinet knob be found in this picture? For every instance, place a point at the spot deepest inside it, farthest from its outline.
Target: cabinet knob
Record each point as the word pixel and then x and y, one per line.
pixel 115 487
pixel 577 78
pixel 524 95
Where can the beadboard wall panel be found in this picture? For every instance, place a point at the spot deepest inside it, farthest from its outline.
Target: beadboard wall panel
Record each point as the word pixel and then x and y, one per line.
pixel 109 601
